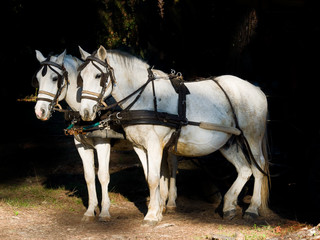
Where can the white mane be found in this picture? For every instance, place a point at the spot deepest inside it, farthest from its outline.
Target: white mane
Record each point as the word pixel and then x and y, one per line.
pixel 72 62
pixel 126 60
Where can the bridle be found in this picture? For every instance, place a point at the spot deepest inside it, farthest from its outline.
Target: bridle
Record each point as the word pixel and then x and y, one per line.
pixel 63 77
pixel 98 97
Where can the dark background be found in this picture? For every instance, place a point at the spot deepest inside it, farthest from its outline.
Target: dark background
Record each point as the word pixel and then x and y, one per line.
pixel 271 43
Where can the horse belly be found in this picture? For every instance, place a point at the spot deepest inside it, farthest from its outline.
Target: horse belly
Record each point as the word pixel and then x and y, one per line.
pixel 200 144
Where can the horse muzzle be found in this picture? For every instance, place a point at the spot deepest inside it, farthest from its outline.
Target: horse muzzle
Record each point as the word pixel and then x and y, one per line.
pixel 42 113
pixel 87 116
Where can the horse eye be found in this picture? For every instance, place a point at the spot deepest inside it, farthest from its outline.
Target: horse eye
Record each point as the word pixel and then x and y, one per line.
pixel 98 75
pixel 55 78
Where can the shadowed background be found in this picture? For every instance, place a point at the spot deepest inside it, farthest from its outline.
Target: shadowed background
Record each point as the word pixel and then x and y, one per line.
pixel 271 43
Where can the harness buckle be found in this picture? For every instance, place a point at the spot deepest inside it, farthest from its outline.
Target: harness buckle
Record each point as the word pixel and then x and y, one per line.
pixel 184 122
pixel 104 124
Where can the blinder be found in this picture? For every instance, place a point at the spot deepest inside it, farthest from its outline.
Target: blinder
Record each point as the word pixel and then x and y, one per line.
pixel 34 82
pixel 45 64
pixel 79 81
pixel 104 75
pixel 79 78
pixel 44 70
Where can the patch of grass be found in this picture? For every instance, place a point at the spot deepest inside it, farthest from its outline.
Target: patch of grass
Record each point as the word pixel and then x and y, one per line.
pixel 254 232
pixel 258 232
pixel 117 197
pixel 34 194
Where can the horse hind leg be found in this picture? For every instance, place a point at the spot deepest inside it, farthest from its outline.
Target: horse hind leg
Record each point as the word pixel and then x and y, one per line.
pixel 164 181
pixel 173 165
pixel 259 200
pixel 168 189
pixel 235 156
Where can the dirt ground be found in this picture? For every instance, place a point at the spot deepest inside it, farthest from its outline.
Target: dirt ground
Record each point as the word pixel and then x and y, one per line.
pixel 193 221
pixel 194 218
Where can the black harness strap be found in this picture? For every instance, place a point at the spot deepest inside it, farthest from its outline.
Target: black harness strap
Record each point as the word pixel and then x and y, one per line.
pixel 134 117
pixel 61 77
pixel 241 139
pixel 181 89
pixel 98 97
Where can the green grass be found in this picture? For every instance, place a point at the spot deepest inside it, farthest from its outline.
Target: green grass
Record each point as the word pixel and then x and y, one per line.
pixel 34 194
pixel 31 193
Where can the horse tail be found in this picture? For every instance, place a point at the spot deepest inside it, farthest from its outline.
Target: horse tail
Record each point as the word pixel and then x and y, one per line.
pixel 266 181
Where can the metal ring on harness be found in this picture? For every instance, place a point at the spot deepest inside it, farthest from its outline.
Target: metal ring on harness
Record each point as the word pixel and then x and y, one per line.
pixel 117 115
pixel 58 105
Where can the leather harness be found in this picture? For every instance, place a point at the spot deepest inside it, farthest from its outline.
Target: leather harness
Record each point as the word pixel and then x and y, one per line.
pixel 128 117
pixel 60 79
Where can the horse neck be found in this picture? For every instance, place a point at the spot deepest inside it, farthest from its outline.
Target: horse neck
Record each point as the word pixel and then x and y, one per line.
pixel 130 74
pixel 72 95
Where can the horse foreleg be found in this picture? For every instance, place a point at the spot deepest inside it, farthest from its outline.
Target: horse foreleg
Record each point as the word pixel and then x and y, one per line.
pixel 102 147
pixel 236 157
pixel 155 207
pixel 87 157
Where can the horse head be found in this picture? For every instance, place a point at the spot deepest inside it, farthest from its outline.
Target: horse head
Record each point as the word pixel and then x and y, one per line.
pixel 51 80
pixel 97 79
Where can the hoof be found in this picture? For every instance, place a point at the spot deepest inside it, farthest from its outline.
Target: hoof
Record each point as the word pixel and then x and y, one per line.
pixel 104 219
pixel 229 215
pixel 149 223
pixel 104 216
pixel 87 218
pixel 171 209
pixel 164 210
pixel 250 216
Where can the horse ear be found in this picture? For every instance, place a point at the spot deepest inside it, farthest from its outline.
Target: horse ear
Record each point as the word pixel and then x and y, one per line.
pixel 60 58
pixel 40 56
pixel 83 53
pixel 102 53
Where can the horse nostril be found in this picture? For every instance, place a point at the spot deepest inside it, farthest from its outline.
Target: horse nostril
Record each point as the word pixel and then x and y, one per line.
pixel 42 112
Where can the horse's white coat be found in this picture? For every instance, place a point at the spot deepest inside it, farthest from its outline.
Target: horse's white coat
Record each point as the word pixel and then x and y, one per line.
pixel 85 146
pixel 206 102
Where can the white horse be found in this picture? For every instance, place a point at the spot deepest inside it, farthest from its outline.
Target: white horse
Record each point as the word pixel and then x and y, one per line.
pixel 48 85
pixel 207 102
pixel 48 80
